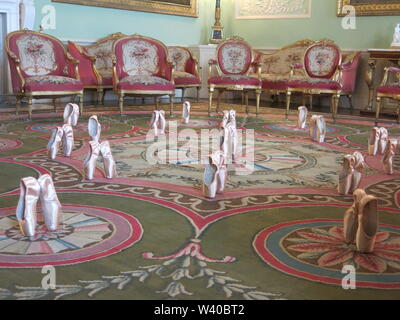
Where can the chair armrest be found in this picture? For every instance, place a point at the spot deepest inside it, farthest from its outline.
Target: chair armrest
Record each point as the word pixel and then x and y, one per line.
pixel 393 69
pixel 386 74
pixel 114 72
pixel 74 62
pixel 169 71
pixel 211 63
pixel 15 61
pixel 256 65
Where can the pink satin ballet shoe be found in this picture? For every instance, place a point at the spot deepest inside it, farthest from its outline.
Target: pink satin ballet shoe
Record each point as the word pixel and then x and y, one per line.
pixel 313 127
pixel 210 180
pixel 230 140
pixel 302 117
pixel 220 161
pixel 26 208
pixel 71 114
pixel 110 168
pixel 68 139
pixel 186 112
pixel 90 162
pixel 94 128
pixel 346 175
pixel 383 140
pixel 350 220
pixel 359 165
pixel 232 117
pixel 54 142
pixel 51 206
pixel 373 141
pixel 388 156
pixel 161 122
pixel 225 119
pixel 321 129
pixel 154 122
pixel 367 224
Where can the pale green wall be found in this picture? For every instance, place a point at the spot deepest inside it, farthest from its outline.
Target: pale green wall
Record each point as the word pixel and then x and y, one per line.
pixel 371 32
pixel 91 23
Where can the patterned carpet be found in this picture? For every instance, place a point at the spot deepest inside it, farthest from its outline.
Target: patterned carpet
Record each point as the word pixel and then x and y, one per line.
pixel 150 234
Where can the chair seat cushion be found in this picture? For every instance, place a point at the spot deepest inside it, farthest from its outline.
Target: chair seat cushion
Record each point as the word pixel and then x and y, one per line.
pixel 52 83
pixel 185 78
pixel 315 83
pixel 107 81
pixel 274 85
pixel 235 80
pixel 389 89
pixel 145 83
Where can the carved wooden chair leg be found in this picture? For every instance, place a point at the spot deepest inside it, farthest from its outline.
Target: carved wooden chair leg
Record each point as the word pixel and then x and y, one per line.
pixel 210 97
pixel 288 98
pixel 80 98
pixel 171 105
pixel 198 94
pixel 258 96
pixel 183 94
pixel 121 103
pixel 246 98
pixel 29 108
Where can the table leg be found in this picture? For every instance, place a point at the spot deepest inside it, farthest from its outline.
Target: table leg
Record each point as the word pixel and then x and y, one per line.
pixel 369 79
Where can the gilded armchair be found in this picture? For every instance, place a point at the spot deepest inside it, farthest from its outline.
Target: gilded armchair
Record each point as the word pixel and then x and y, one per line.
pixel 233 64
pixel 95 63
pixel 186 69
pixel 41 68
pixel 389 88
pixel 322 66
pixel 141 68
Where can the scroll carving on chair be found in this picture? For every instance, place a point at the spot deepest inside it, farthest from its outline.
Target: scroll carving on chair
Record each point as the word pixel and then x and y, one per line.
pixel 95 63
pixel 322 65
pixel 141 68
pixel 41 68
pixel 186 69
pixel 233 64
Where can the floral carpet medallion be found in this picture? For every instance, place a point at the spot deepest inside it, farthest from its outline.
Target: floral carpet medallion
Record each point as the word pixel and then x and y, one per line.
pixel 316 250
pixel 85 233
pixel 277 163
pixel 291 127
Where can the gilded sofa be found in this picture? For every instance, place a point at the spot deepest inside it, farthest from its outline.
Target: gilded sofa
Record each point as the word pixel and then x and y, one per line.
pixel 276 67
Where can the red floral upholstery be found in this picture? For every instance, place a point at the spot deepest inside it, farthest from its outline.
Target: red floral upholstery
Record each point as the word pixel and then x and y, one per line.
pixel 321 63
pixel 349 72
pixel 40 66
pixel 233 63
pixel 186 73
pixel 389 89
pixel 321 60
pixel 141 67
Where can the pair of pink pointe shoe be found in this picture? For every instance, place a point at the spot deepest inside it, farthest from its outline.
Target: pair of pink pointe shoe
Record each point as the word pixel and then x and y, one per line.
pixel 97 149
pixel 215 175
pixel 317 128
pixel 158 122
pixel 377 141
pixel 361 221
pixel 388 155
pixel 64 135
pixel 351 173
pixel 302 117
pixel 31 189
pixel 186 112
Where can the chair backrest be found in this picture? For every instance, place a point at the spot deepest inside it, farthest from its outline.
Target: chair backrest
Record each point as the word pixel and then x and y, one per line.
pixel 39 54
pixel 102 50
pixel 138 55
pixel 234 56
pixel 322 59
pixel 181 57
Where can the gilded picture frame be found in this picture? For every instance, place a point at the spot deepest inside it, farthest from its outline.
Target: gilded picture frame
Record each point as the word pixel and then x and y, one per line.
pixel 188 8
pixel 370 7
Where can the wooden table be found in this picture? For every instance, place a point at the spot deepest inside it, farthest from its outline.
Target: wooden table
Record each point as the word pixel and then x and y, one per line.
pixel 392 55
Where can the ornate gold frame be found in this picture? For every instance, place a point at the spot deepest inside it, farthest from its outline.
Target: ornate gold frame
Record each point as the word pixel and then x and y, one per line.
pixel 371 9
pixel 142 5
